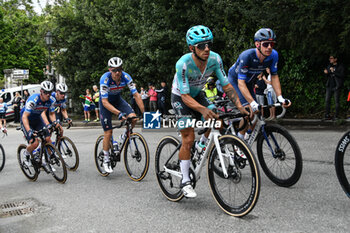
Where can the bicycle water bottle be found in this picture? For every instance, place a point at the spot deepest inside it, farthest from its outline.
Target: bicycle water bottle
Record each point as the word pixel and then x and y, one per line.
pixel 200 147
pixel 247 134
pixel 115 145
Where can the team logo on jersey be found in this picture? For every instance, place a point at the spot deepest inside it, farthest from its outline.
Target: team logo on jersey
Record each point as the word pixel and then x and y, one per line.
pixel 151 120
pixel 105 81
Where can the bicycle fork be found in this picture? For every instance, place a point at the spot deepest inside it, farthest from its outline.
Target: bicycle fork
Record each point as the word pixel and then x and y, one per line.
pixel 268 141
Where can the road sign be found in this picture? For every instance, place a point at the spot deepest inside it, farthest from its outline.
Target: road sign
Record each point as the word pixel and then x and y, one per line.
pixel 20 74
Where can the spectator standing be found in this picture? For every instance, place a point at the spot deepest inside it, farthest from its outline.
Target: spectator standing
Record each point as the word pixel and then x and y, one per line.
pixel 152 98
pixel 16 106
pixel 270 94
pixel 3 109
pixel 161 96
pixel 211 92
pixel 87 105
pixel 335 78
pixel 96 99
pixel 145 99
pixel 25 97
pixel 260 87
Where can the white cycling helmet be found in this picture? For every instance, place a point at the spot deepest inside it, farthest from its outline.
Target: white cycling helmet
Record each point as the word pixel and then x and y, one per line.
pixel 115 62
pixel 46 86
pixel 61 87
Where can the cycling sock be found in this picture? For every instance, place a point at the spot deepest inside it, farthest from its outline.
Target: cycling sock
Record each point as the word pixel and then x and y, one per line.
pixel 106 157
pixel 241 136
pixel 185 170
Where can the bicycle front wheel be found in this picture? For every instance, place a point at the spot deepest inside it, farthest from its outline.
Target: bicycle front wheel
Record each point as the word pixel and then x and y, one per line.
pixel 28 170
pixel 2 157
pixel 279 156
pixel 342 163
pixel 136 157
pixel 69 152
pixel 167 157
pixel 238 192
pixel 55 162
pixel 99 156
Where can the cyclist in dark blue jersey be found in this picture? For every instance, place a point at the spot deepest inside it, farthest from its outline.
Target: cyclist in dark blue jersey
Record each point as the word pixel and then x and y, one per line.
pixel 111 102
pixel 33 116
pixel 187 98
pixel 250 64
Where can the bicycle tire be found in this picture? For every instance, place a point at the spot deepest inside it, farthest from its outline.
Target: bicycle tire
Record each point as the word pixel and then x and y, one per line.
pixel 69 153
pixel 342 163
pixel 136 164
pixel 29 172
pixel 2 158
pixel 55 162
pixel 285 169
pixel 168 183
pixel 238 193
pixel 99 156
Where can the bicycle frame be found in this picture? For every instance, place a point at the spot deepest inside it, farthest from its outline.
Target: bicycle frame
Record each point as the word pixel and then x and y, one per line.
pixel 213 140
pixel 260 127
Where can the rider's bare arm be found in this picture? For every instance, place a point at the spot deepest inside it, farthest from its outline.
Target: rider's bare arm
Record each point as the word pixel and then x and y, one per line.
pixel 139 102
pixel 43 116
pixel 275 81
pixel 25 120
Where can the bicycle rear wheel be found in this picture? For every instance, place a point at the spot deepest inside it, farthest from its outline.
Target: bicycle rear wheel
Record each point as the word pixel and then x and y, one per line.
pixel 28 171
pixel 136 157
pixel 99 156
pixel 279 156
pixel 55 162
pixel 69 152
pixel 238 193
pixel 342 163
pixel 2 157
pixel 167 156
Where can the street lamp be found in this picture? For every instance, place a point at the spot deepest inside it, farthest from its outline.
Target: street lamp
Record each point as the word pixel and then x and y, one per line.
pixel 48 41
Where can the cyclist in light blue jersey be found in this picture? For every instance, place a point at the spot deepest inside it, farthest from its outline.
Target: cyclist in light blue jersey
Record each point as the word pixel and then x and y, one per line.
pixel 111 102
pixel 187 97
pixel 250 64
pixel 33 117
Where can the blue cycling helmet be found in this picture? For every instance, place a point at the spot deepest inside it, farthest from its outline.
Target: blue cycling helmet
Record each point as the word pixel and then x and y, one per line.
pixel 264 34
pixel 198 34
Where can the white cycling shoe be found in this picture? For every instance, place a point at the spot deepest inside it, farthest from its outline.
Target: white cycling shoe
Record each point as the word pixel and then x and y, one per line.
pixel 107 167
pixel 188 190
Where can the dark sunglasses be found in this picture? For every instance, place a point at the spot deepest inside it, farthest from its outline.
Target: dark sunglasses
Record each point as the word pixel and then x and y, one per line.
pixel 61 93
pixel 118 69
pixel 47 92
pixel 202 46
pixel 267 43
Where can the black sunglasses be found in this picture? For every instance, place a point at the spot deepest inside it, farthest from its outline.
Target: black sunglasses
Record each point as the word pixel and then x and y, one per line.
pixel 202 46
pixel 118 69
pixel 62 93
pixel 47 92
pixel 267 43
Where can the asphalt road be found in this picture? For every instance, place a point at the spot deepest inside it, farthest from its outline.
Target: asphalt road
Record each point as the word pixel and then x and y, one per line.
pixel 88 202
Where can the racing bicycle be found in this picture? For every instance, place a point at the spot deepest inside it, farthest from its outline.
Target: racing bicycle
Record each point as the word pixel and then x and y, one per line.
pixel 67 149
pixel 47 157
pixel 342 162
pixel 278 152
pixel 136 153
pixel 233 174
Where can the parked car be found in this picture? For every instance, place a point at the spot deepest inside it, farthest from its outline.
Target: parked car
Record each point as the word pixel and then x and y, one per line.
pixel 9 94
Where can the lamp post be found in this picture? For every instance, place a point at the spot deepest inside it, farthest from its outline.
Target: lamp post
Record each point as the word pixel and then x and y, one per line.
pixel 48 41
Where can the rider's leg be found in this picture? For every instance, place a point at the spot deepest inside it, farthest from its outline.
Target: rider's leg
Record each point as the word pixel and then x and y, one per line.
pixel 185 153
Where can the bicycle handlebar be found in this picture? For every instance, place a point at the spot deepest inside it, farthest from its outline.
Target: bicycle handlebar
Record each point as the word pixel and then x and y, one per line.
pixel 127 121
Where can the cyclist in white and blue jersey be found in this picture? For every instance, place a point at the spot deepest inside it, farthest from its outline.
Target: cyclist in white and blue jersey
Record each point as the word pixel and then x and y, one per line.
pixel 3 109
pixel 61 103
pixel 250 64
pixel 33 117
pixel 187 97
pixel 111 102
